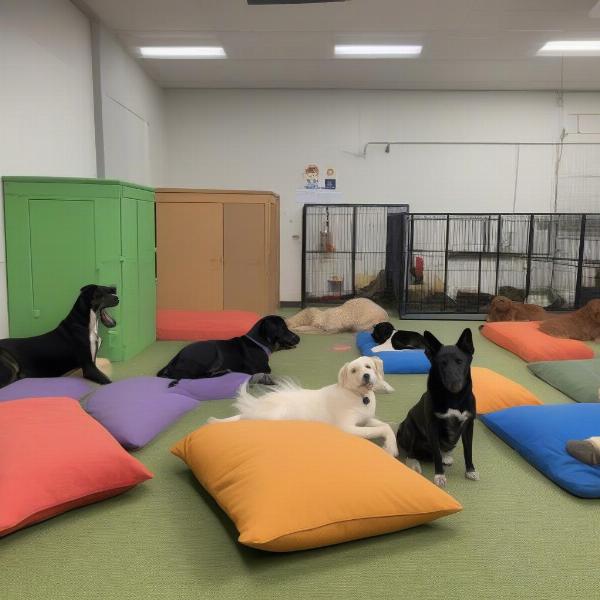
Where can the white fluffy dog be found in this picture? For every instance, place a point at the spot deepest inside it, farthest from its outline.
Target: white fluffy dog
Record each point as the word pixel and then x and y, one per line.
pixel 348 404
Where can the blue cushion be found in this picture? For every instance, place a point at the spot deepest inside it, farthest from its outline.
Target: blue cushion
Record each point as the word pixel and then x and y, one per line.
pixel 398 361
pixel 540 433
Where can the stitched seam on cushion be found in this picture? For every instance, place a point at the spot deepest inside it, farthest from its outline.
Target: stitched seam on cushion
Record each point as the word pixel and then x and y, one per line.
pixel 341 522
pixel 49 506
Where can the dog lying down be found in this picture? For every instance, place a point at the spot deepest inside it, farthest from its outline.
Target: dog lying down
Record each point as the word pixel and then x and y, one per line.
pixel 348 404
pixel 390 339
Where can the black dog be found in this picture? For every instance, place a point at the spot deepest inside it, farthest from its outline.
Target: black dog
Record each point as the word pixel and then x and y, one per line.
pixel 245 354
pixel 72 345
pixel 400 340
pixel 445 412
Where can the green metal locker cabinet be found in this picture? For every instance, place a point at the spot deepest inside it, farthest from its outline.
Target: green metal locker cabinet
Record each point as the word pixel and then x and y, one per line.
pixel 64 233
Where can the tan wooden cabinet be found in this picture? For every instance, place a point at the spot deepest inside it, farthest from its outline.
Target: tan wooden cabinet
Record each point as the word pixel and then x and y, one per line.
pixel 217 249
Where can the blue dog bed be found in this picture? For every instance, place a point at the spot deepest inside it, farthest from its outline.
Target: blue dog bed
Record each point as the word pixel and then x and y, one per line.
pixel 540 433
pixel 398 361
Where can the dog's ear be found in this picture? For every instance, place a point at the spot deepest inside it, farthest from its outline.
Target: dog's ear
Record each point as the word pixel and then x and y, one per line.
pixel 269 328
pixel 378 367
pixel 432 343
pixel 88 288
pixel 465 342
pixel 343 376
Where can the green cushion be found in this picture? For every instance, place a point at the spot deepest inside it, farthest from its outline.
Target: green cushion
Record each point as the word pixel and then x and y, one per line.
pixel 578 379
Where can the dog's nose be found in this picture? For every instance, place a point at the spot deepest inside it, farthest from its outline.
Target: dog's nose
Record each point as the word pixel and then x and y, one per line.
pixel 366 377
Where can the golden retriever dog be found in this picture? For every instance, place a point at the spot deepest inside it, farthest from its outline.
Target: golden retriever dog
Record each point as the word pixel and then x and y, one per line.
pixel 349 404
pixel 358 314
pixel 583 324
pixel 504 309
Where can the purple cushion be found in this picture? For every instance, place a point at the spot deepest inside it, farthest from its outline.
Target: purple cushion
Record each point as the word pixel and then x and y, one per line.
pixel 136 410
pixel 71 387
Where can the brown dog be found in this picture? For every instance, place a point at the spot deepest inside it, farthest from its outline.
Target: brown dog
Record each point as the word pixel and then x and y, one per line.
pixel 583 324
pixel 504 309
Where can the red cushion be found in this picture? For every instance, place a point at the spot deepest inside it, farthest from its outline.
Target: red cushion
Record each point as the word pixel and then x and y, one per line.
pixel 203 325
pixel 55 457
pixel 526 340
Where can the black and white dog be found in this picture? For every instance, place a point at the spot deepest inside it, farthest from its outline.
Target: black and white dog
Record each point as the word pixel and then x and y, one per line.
pixel 389 338
pixel 72 345
pixel 248 353
pixel 445 412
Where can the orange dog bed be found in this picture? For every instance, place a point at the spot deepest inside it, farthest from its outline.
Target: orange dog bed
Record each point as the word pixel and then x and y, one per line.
pixel 203 325
pixel 525 340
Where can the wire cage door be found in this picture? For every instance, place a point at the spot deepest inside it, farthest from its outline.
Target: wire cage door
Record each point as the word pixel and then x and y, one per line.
pixel 353 250
pixel 456 263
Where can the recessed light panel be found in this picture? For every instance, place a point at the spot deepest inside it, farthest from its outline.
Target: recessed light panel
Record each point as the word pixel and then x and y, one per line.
pixel 182 52
pixel 570 47
pixel 376 51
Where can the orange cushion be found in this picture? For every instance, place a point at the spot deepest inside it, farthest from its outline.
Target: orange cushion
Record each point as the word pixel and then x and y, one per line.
pixel 55 457
pixel 494 391
pixel 293 485
pixel 525 340
pixel 203 325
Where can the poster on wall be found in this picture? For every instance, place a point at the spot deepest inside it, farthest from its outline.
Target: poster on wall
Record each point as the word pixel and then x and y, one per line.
pixel 316 191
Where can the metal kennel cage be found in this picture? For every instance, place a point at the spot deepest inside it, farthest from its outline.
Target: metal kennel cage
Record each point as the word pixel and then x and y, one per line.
pixel 353 250
pixel 456 263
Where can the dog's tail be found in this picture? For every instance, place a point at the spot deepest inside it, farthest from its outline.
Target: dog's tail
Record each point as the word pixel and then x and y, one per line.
pixel 253 406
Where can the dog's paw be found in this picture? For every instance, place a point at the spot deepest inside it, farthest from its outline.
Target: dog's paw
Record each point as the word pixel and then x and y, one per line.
pixel 386 387
pixel 472 475
pixel 391 447
pixel 447 459
pixel 414 464
pixel 440 480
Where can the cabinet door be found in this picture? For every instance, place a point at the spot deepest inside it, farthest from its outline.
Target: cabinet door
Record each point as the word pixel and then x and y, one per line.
pixel 146 273
pixel 244 283
pixel 190 255
pixel 63 259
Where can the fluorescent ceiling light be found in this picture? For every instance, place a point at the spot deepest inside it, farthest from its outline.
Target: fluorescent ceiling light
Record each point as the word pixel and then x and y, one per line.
pixel 376 51
pixel 570 47
pixel 183 52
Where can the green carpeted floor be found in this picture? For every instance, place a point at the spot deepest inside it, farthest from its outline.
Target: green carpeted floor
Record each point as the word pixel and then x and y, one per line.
pixel 519 535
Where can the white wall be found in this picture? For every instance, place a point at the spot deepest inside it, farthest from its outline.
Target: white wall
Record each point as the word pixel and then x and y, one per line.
pixel 131 140
pixel 46 101
pixel 262 139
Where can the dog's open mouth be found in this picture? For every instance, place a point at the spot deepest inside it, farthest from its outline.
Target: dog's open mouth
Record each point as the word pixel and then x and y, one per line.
pixel 106 319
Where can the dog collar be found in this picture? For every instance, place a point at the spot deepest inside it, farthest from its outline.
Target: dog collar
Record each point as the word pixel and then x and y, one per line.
pixel 366 400
pixel 265 348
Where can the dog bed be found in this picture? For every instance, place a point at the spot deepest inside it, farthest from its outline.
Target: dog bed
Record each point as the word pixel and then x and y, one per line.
pixel 203 325
pixel 395 361
pixel 578 379
pixel 526 341
pixel 136 410
pixel 56 458
pixel 540 433
pixel 495 392
pixel 285 493
pixel 32 387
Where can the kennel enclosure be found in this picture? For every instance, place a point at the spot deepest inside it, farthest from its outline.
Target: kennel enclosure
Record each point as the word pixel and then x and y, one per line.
pixel 450 264
pixel 351 250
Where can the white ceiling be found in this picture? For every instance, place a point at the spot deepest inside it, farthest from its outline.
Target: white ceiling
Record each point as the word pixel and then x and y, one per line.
pixel 468 44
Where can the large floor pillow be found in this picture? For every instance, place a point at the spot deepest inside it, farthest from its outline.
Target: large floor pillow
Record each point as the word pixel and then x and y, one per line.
pixel 294 485
pixel 55 457
pixel 203 325
pixel 495 392
pixel 396 361
pixel 526 341
pixel 69 387
pixel 136 410
pixel 540 434
pixel 578 379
